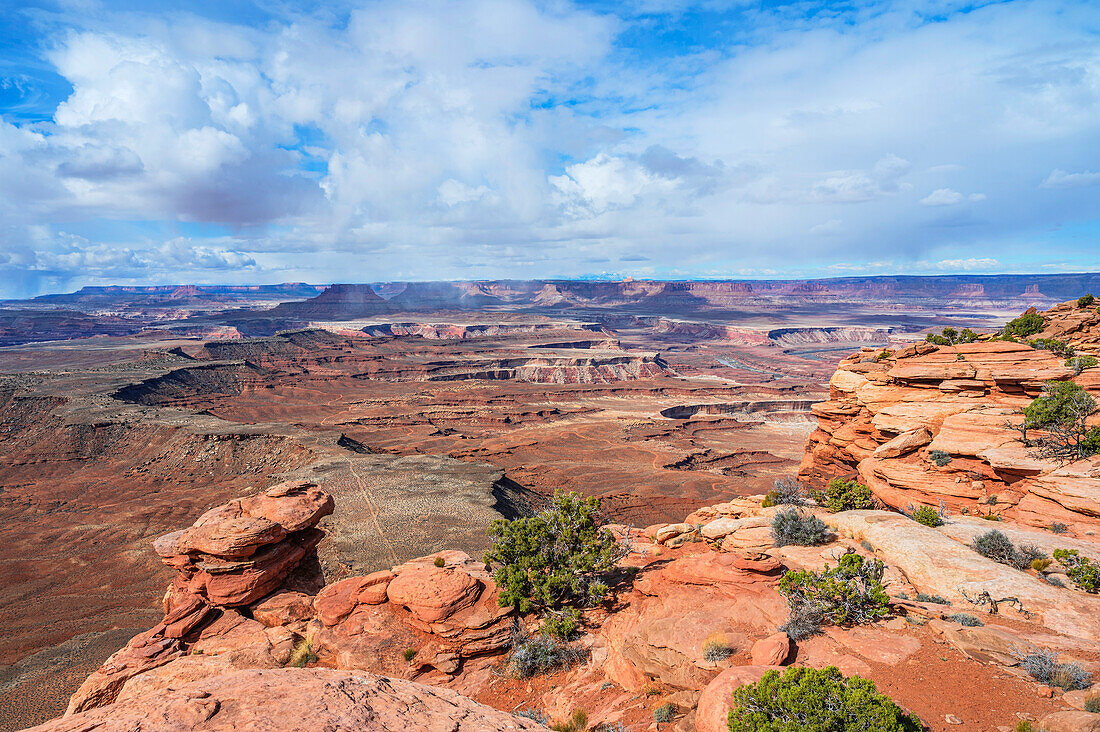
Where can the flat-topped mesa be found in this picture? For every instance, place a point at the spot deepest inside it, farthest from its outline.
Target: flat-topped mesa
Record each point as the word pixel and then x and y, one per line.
pixel 233 555
pixel 930 424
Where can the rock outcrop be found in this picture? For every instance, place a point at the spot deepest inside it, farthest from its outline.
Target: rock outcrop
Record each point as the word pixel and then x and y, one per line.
pixel 932 425
pixel 233 555
pixel 289 699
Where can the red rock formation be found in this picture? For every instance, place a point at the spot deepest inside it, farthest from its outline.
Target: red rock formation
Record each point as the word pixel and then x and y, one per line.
pixel 294 699
pixel 888 411
pixel 233 555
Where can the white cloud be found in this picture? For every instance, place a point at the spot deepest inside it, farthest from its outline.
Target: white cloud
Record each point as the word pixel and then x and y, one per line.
pixel 941 197
pixel 1062 179
pixel 429 139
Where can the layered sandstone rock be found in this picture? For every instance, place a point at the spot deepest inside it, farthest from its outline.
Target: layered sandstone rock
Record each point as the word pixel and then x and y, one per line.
pixel 288 699
pixel 888 415
pixel 232 556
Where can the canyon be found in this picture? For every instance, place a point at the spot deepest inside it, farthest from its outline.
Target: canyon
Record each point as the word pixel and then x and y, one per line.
pixel 325 452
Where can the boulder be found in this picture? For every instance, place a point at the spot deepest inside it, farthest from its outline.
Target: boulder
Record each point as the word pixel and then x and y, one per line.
pixel 714 702
pixel 1073 721
pixel 771 651
pixel 433 593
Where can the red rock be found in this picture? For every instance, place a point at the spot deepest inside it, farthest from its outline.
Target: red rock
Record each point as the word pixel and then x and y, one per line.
pixel 233 538
pixel 771 651
pixel 295 699
pixel 433 593
pixel 295 505
pixel 282 608
pixel 1074 721
pixel 715 701
pixel 336 601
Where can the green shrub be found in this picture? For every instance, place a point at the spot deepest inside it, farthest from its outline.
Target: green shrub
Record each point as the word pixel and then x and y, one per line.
pixel 965 619
pixel 1024 726
pixel 952 337
pixel 1084 572
pixel 553 558
pixel 996 546
pixel 850 594
pixel 1061 403
pixel 794 527
pixel 1092 705
pixel 561 623
pixel 845 495
pixel 1080 363
pixel 1085 300
pixel 928 516
pixel 1057 527
pixel 820 700
pixel 410 654
pixel 1025 325
pixel 939 457
pixel 664 713
pixel 1061 413
pixel 1055 346
pixel 440 562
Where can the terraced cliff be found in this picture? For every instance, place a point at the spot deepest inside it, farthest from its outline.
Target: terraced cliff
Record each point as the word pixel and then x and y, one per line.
pixel 930 424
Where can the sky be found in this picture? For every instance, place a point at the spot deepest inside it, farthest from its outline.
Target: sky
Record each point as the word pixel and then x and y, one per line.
pixel 247 141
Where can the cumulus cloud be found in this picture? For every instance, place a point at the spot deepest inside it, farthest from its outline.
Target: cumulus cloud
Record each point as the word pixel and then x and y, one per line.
pixel 1062 179
pixel 428 138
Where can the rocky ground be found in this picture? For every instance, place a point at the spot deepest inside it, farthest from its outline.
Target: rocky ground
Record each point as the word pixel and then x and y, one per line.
pixel 422 433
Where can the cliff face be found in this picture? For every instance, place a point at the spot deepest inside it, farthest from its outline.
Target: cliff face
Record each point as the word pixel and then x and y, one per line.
pixel 888 413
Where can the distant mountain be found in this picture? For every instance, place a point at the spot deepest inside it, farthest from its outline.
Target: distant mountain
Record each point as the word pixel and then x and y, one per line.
pixel 341 302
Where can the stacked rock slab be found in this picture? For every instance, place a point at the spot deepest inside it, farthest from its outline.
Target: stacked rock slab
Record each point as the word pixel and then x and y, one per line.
pixel 233 555
pixel 889 414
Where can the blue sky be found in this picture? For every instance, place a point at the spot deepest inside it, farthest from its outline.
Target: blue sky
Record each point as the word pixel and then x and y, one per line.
pixel 157 142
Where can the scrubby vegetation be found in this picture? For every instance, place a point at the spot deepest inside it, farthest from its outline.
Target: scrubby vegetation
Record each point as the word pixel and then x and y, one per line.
pixel 786 492
pixel 578 722
pixel 822 700
pixel 409 654
pixel 965 619
pixel 1057 527
pixel 995 545
pixel 1060 415
pixel 302 655
pixel 439 562
pixel 1080 363
pixel 792 526
pixel 934 599
pixel 1092 705
pixel 561 623
pixel 1085 300
pixel 533 655
pixel 717 647
pixel 1043 666
pixel 554 558
pixel 927 515
pixel 845 495
pixel 939 457
pixel 664 713
pixel 1055 346
pixel 1082 571
pixel 850 594
pixel 1023 326
pixel 951 337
